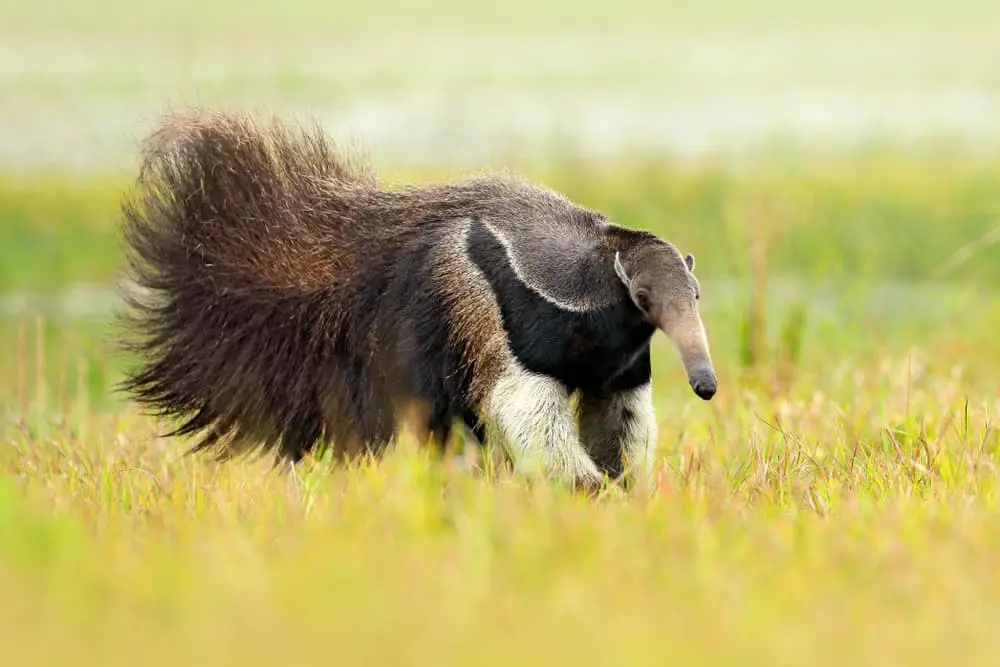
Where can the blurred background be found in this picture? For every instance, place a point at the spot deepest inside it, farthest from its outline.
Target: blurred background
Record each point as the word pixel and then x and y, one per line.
pixel 832 164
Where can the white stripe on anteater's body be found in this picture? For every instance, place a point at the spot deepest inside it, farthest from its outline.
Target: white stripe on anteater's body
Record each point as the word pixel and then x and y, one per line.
pixel 562 265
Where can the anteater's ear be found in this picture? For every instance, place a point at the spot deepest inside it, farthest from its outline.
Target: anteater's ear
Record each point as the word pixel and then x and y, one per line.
pixel 620 270
pixel 689 260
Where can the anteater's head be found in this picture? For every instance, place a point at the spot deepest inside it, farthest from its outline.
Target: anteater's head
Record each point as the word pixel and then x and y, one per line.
pixel 662 285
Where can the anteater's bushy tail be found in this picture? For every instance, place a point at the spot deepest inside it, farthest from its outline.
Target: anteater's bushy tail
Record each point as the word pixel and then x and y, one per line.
pixel 240 236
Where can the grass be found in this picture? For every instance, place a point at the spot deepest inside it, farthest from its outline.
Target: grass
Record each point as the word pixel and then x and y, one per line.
pixel 851 521
pixel 835 503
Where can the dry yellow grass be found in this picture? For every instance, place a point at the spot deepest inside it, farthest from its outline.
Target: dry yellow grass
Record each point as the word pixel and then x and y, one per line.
pixel 783 531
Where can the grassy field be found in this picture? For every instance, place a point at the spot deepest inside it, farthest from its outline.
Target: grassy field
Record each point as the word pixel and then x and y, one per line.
pixel 836 503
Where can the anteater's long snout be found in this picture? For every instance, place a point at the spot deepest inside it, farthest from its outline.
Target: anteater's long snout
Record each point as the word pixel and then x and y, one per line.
pixel 688 335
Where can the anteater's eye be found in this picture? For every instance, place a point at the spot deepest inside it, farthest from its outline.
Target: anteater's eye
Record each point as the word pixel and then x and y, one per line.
pixel 642 300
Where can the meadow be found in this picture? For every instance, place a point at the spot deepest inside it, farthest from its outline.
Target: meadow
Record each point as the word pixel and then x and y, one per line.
pixel 835 503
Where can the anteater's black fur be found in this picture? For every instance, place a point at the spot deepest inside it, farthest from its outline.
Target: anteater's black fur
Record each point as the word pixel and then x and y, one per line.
pixel 604 350
pixel 284 299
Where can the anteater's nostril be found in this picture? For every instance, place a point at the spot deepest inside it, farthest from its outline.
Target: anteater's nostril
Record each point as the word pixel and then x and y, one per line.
pixel 705 391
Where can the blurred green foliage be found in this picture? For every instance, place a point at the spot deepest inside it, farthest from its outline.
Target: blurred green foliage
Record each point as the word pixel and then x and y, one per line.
pixel 877 217
pixel 850 259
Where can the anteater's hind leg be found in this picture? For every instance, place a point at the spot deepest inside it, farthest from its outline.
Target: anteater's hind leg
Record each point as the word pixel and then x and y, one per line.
pixel 443 428
pixel 475 427
pixel 440 430
pixel 440 434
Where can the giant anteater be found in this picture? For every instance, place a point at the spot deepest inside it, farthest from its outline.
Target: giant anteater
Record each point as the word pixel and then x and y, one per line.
pixel 284 300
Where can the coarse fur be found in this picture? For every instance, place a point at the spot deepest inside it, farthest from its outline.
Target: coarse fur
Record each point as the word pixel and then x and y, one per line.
pixel 284 300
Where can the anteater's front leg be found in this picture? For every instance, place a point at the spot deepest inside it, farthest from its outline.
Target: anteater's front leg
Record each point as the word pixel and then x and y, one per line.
pixel 535 421
pixel 620 423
